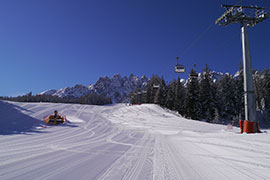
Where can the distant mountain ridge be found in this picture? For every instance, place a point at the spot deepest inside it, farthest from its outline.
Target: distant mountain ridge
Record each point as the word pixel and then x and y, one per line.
pixel 117 87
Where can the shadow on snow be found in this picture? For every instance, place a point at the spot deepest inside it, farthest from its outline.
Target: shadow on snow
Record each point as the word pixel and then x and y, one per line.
pixel 12 121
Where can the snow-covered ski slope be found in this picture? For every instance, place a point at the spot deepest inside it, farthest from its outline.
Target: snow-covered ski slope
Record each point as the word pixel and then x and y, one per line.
pixel 124 142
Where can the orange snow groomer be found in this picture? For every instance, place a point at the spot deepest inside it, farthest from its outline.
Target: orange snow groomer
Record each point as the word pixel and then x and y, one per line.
pixel 55 119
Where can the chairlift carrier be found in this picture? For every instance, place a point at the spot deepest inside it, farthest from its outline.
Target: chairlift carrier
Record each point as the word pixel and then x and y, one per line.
pixel 193 74
pixel 178 68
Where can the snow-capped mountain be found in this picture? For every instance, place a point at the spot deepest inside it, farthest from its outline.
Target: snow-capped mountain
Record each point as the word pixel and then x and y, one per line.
pixel 48 92
pixel 76 91
pixel 117 87
pixel 216 76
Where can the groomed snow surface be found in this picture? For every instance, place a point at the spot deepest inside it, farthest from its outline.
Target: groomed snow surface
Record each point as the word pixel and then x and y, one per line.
pixel 124 142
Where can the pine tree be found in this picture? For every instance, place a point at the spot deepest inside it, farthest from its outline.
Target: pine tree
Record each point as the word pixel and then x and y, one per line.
pixel 160 96
pixel 207 96
pixel 137 97
pixel 170 99
pixel 258 84
pixel 266 93
pixel 180 97
pixel 239 94
pixel 226 96
pixel 216 117
pixel 192 103
pixel 149 93
pixel 133 99
pixel 151 90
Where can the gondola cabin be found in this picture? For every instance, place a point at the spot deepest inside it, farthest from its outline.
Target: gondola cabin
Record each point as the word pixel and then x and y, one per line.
pixel 193 75
pixel 178 68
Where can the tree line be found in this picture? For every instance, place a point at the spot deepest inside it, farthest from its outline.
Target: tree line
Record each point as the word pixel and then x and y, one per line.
pixel 92 99
pixel 208 99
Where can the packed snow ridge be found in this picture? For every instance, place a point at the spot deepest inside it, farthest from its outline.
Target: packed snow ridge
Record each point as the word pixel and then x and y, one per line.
pixel 140 142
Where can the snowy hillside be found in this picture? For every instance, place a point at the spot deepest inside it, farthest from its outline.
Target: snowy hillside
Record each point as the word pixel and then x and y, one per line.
pixel 117 87
pixel 124 142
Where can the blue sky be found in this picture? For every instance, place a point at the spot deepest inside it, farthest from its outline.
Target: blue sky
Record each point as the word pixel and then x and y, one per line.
pixel 57 43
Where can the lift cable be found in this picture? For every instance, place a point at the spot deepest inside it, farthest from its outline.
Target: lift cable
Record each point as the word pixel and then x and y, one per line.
pixel 201 35
pixel 196 40
pixel 222 45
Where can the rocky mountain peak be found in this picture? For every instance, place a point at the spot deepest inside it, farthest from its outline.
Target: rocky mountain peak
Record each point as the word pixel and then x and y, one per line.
pixel 117 87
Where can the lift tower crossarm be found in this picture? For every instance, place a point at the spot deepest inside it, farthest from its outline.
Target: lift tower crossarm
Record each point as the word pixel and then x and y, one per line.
pixel 235 14
pixel 224 15
pixel 238 6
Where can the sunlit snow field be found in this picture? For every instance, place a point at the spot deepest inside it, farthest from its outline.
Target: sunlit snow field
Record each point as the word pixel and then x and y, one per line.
pixel 124 142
